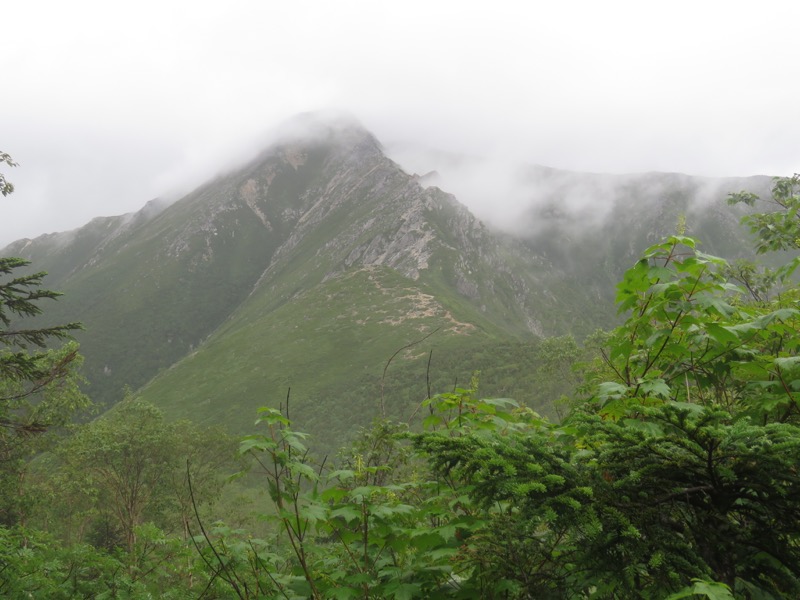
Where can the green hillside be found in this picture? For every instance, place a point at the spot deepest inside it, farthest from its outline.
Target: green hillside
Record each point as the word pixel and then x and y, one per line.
pixel 309 267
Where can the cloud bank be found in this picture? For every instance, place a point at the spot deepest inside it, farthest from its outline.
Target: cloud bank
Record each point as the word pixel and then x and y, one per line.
pixel 108 105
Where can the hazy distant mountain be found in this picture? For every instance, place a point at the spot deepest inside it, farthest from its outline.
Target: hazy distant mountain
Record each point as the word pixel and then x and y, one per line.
pixel 589 227
pixel 312 265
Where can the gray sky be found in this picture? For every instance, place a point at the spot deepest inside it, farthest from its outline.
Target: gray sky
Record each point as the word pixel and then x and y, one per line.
pixel 106 105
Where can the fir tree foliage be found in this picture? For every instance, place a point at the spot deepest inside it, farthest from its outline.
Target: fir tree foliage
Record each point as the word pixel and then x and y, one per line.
pixel 37 384
pixel 20 295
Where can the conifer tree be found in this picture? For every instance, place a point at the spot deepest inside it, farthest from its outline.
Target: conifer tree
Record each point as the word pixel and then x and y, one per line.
pixel 26 367
pixel 39 382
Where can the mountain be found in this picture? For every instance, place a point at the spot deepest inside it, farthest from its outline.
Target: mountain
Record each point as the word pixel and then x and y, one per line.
pixel 314 265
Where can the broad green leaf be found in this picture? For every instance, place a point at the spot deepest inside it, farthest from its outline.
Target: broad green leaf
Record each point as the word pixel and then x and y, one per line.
pixel 441 553
pixel 403 591
pixel 303 470
pixel 710 258
pixel 655 387
pixel 683 240
pixel 611 389
pixel 712 590
pixel 430 421
pixel 622 349
pixel 722 334
pixel 660 273
pixel 614 409
pixel 256 443
pixel 313 512
pixel 342 474
pixel 344 593
pixel 750 370
pixel 720 306
pixel 348 513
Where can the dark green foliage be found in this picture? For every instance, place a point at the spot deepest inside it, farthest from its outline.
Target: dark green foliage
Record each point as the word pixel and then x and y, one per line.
pixel 34 564
pixel 690 338
pixel 686 452
pixel 528 497
pixel 703 494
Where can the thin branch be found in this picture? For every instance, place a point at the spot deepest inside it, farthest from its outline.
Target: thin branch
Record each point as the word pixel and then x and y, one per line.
pixel 684 492
pixel 388 362
pixel 428 374
pixel 347 550
pixel 229 578
pixel 428 384
pixel 608 362
pixel 266 570
pixel 205 560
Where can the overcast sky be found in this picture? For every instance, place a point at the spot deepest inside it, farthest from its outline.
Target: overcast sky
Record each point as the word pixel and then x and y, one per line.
pixel 106 105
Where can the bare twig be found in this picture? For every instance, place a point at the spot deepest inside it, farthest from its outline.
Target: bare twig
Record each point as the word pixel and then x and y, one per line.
pixel 428 374
pixel 228 577
pixel 258 560
pixel 388 362
pixel 428 384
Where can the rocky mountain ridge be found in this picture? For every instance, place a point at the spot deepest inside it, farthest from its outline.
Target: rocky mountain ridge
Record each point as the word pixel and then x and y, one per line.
pixel 311 265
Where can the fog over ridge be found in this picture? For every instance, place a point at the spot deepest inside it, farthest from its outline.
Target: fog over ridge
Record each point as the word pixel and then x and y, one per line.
pixel 106 106
pixel 523 198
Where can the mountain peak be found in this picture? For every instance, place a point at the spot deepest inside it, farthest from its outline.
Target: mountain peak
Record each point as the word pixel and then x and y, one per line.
pixel 326 126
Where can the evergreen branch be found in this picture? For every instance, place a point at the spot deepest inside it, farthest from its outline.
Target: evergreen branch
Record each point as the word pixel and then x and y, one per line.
pixel 683 492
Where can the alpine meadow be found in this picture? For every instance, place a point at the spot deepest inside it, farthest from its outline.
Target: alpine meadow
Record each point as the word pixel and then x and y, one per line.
pixel 318 375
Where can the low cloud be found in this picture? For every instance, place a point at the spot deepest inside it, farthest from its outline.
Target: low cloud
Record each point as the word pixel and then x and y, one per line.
pixel 525 199
pixel 107 107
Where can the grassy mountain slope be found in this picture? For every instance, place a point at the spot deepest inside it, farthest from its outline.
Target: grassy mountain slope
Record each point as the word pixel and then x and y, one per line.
pixel 350 324
pixel 312 265
pixel 374 263
pixel 251 252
